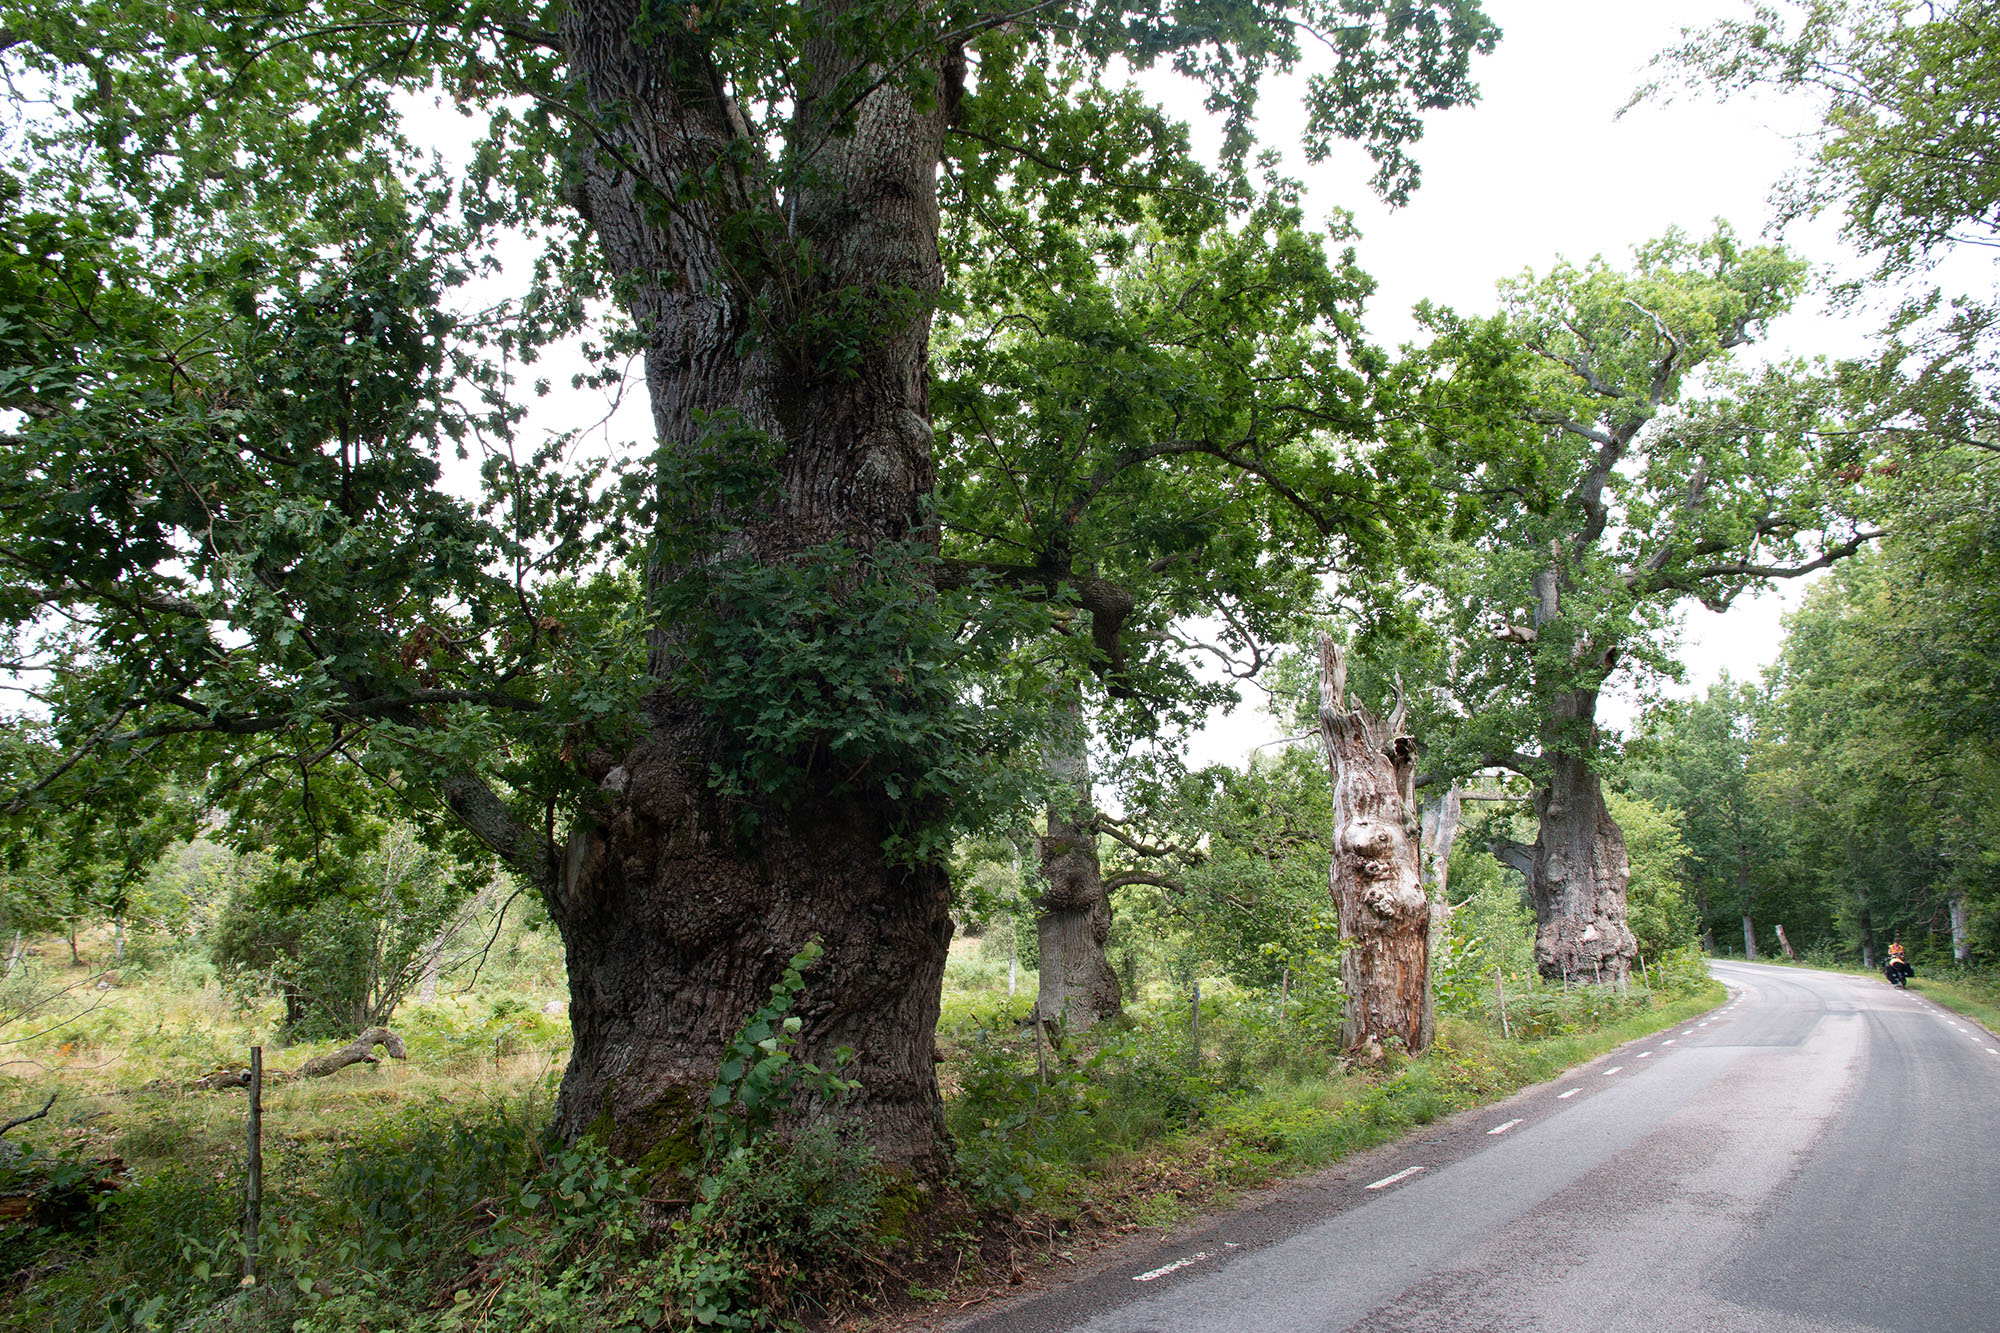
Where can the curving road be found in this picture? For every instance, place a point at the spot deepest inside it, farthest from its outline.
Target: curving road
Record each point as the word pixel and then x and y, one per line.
pixel 1822 1152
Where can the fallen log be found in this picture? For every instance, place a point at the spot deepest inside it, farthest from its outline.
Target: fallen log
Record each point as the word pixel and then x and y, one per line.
pixel 357 1052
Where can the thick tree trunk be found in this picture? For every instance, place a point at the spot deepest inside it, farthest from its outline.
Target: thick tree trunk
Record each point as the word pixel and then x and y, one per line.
pixel 1746 895
pixel 1377 881
pixel 1961 928
pixel 1078 986
pixel 1580 867
pixel 674 932
pixel 675 921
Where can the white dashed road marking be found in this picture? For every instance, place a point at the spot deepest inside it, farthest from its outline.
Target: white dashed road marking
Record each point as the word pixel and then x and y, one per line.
pixel 1645 1055
pixel 1386 1181
pixel 1562 1096
pixel 1613 1070
pixel 1502 1129
pixel 1174 1267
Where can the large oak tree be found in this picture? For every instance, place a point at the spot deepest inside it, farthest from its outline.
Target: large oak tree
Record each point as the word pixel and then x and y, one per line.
pixel 758 737
pixel 1617 465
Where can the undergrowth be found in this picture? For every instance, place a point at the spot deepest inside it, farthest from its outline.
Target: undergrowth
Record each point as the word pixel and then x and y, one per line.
pixel 434 1201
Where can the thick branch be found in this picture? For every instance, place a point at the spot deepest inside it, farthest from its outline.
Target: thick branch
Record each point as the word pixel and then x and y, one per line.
pixel 1515 855
pixel 1688 579
pixel 482 811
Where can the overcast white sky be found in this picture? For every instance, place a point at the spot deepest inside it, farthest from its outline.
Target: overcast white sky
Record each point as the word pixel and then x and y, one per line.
pixel 1544 166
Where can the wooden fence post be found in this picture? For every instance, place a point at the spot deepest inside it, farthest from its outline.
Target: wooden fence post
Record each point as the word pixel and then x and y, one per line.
pixel 253 1194
pixel 1195 1023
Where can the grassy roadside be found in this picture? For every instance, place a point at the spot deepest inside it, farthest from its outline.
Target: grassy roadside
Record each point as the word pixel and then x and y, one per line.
pixel 1974 1000
pixel 425 1195
pixel 1289 1128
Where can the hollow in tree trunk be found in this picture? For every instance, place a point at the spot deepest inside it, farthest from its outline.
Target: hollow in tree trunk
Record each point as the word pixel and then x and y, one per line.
pixel 1078 988
pixel 1377 881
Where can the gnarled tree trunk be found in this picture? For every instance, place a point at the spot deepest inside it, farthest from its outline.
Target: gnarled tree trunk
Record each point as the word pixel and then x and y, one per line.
pixel 1579 869
pixel 1077 985
pixel 675 921
pixel 1377 881
pixel 1747 896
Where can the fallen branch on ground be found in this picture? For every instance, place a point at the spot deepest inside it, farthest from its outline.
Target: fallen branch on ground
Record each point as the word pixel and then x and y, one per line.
pixel 359 1051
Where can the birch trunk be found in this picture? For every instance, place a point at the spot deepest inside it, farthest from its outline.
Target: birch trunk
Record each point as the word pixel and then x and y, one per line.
pixel 1377 881
pixel 1961 928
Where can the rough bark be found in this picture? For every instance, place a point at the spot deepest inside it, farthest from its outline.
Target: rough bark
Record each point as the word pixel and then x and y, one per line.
pixel 1077 987
pixel 1377 881
pixel 1579 867
pixel 359 1051
pixel 674 924
pixel 1747 896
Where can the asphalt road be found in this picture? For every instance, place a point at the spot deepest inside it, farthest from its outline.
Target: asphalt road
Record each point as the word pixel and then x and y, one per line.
pixel 1821 1152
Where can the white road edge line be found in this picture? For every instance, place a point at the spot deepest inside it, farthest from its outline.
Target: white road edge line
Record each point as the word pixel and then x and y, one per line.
pixel 1386 1181
pixel 1614 1069
pixel 1174 1267
pixel 1670 1041
pixel 1645 1055
pixel 1502 1129
pixel 1563 1096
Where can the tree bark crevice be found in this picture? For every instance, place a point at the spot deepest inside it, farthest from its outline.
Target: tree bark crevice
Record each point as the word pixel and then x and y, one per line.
pixel 1376 879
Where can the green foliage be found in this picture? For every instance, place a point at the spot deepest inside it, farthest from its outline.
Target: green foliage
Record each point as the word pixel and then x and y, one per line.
pixel 1880 769
pixel 760 1079
pixel 1598 490
pixel 1908 100
pixel 1660 912
pixel 342 939
pixel 1243 891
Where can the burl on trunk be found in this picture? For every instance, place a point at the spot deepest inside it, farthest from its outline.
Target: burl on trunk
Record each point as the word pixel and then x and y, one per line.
pixel 1377 885
pixel 675 921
